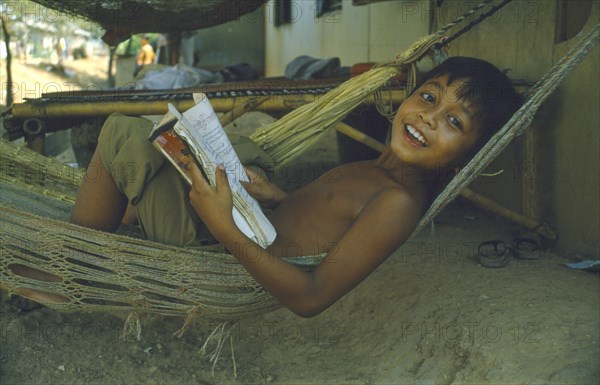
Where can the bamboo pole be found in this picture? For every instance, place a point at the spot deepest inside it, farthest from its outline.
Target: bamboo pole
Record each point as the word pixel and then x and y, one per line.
pixel 359 136
pixel 536 226
pixel 159 107
pixel 241 109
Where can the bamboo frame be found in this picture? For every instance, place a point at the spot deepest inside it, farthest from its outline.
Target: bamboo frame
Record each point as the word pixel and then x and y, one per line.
pixel 159 107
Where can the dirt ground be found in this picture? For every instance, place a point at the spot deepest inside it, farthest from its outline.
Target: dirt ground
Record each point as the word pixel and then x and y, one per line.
pixel 431 314
pixel 34 77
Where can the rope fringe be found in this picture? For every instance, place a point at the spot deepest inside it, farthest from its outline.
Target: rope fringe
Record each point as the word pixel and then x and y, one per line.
pixel 211 349
pixel 132 327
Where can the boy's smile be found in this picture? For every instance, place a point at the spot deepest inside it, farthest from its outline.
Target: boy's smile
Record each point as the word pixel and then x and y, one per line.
pixel 415 137
pixel 434 127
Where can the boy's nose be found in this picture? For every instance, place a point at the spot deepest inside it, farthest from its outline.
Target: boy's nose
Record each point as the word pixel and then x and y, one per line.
pixel 427 118
pixel 432 115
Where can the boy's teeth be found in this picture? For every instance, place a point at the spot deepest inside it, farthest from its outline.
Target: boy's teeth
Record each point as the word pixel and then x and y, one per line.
pixel 416 134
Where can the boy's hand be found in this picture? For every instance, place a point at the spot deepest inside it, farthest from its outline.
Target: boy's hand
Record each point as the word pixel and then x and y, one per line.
pixel 267 193
pixel 212 204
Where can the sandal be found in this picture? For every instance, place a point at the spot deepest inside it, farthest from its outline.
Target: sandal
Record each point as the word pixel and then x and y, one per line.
pixel 525 248
pixel 493 254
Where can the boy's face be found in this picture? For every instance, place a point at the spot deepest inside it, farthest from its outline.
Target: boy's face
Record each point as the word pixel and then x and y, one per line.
pixel 433 128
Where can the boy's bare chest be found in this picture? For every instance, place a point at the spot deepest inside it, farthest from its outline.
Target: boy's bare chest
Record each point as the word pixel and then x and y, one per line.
pixel 343 191
pixel 321 212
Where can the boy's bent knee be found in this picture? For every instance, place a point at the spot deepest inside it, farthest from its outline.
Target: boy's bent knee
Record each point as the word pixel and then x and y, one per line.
pixel 127 155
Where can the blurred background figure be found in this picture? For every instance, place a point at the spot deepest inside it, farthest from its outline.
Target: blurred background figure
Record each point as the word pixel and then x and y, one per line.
pixel 61 50
pixel 145 56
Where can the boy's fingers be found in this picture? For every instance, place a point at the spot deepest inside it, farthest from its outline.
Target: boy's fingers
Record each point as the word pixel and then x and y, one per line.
pixel 254 175
pixel 221 177
pixel 251 174
pixel 196 175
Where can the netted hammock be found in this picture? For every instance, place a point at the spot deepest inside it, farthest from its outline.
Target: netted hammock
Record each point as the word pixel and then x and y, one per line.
pixel 121 18
pixel 84 269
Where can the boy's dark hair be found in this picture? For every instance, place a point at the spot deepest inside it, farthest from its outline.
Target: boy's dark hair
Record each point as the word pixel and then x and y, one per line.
pixel 488 88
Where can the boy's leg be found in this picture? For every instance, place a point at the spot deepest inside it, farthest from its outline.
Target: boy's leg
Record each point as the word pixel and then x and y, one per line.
pixel 130 216
pixel 142 178
pixel 99 205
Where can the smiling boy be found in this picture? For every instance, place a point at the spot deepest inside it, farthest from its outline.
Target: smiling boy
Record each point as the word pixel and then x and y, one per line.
pixel 369 210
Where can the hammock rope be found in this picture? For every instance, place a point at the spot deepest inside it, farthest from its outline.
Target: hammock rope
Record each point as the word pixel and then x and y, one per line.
pixel 468 27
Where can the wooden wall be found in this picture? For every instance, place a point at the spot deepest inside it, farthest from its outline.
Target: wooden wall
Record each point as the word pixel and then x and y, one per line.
pixel 355 34
pixel 234 42
pixel 551 172
pixel 574 124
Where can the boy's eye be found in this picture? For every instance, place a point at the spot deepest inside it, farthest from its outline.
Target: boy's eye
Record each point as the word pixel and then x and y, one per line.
pixel 426 96
pixel 455 122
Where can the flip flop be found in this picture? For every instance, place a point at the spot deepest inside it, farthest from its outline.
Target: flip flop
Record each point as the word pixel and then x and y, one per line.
pixel 493 254
pixel 525 248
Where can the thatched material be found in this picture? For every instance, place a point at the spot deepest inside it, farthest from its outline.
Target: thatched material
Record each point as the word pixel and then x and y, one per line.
pixel 122 18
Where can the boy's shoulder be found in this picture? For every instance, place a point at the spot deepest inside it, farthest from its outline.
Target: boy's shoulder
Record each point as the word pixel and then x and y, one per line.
pixel 371 178
pixel 387 205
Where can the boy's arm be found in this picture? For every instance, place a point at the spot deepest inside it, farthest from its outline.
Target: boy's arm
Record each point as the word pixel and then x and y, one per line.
pixel 355 256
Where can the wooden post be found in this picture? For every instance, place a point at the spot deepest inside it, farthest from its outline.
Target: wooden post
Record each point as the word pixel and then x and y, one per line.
pixel 111 56
pixel 528 174
pixel 9 89
pixel 35 134
pixel 36 142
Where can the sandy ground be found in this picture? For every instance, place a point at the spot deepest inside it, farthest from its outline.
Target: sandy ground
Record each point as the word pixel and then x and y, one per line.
pixel 34 77
pixel 429 315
